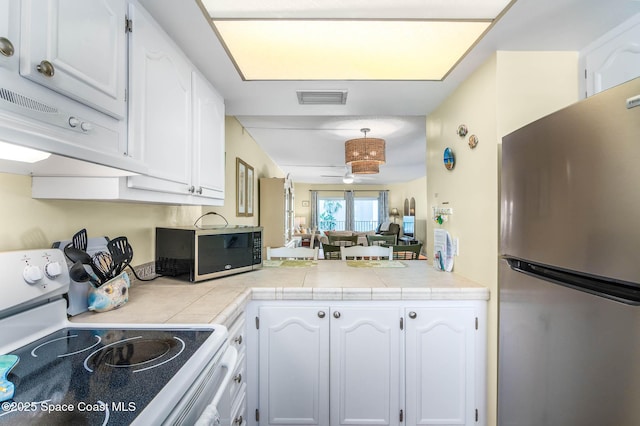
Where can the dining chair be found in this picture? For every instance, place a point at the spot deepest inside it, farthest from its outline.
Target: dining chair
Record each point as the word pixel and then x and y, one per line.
pixel 343 240
pixel 406 252
pixel 366 253
pixel 331 251
pixel 292 253
pixel 378 240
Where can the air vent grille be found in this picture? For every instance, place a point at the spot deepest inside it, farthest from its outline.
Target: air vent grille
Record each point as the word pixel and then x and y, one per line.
pixel 25 102
pixel 322 97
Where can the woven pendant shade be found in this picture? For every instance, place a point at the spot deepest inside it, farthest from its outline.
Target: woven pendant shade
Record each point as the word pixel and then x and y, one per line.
pixel 364 149
pixel 365 168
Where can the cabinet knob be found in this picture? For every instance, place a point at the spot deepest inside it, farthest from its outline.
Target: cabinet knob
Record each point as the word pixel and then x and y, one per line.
pixel 237 378
pixel 192 189
pixel 46 68
pixel 238 420
pixel 238 339
pixel 412 315
pixel 199 191
pixel 336 314
pixel 321 314
pixel 6 47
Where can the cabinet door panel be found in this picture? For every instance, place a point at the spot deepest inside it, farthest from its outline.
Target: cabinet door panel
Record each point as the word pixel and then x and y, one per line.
pixel 293 366
pixel 86 43
pixel 440 374
pixel 208 139
pixel 365 366
pixel 160 107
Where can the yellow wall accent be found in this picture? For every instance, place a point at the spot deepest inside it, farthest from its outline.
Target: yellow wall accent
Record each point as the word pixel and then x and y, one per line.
pixel 509 90
pixel 26 223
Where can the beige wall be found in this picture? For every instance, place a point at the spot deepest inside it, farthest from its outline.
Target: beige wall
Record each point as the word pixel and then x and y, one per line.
pixel 507 91
pixel 240 144
pixel 27 223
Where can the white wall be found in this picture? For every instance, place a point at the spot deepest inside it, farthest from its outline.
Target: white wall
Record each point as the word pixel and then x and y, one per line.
pixel 509 90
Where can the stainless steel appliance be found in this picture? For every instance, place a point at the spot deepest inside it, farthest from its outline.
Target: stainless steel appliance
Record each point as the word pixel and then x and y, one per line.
pixel 196 254
pixel 569 276
pixel 109 374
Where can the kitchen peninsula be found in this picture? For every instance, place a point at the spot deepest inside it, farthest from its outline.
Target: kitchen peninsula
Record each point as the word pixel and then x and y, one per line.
pixel 330 341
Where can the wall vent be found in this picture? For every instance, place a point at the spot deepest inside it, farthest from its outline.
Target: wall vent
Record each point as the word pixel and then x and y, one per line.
pixel 322 97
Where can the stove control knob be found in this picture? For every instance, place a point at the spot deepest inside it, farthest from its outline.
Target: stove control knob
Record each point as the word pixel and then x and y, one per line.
pixel 53 269
pixel 32 274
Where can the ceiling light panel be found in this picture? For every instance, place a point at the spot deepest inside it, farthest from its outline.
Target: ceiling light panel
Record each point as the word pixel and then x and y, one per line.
pixel 350 39
pixel 356 9
pixel 347 50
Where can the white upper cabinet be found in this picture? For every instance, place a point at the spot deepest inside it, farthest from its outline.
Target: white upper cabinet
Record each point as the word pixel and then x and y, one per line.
pixel 208 176
pixel 614 58
pixel 176 118
pixel 160 120
pixel 8 36
pixel 77 48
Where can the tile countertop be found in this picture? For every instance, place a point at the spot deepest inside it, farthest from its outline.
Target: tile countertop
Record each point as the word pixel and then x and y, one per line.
pixel 167 300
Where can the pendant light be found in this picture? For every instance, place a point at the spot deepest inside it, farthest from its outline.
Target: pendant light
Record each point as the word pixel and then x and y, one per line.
pixel 364 155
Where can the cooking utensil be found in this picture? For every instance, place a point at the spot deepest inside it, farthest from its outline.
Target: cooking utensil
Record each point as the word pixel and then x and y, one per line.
pixel 80 240
pixel 79 273
pixel 103 263
pixel 121 254
pixel 76 255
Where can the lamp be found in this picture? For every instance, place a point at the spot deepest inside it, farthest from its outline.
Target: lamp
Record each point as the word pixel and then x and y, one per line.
pixel 395 213
pixel 369 150
pixel 365 168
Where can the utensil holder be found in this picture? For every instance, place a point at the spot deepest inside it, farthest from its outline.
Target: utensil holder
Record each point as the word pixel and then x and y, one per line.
pixel 110 295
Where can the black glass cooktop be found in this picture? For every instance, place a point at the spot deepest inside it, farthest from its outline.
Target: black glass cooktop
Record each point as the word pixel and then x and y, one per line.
pixel 94 377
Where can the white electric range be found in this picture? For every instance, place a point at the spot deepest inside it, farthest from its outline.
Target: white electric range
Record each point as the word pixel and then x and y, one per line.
pixel 111 374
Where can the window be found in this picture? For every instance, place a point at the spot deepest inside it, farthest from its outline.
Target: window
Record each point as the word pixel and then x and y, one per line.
pixel 333 213
pixel 365 214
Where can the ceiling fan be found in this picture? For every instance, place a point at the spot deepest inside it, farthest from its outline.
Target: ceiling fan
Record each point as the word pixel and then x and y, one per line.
pixel 348 177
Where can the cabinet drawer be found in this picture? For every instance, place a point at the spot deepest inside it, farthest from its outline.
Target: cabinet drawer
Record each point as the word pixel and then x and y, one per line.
pixel 239 377
pixel 236 335
pixel 239 410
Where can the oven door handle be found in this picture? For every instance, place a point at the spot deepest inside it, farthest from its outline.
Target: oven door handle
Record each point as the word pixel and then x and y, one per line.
pixel 228 361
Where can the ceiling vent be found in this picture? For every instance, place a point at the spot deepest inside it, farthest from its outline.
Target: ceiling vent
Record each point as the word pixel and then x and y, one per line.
pixel 322 97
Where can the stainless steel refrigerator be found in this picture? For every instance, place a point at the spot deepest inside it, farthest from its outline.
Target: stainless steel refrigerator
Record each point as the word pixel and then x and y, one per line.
pixel 569 274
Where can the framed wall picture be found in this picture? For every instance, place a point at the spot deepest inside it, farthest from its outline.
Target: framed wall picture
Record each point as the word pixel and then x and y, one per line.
pixel 244 188
pixel 249 190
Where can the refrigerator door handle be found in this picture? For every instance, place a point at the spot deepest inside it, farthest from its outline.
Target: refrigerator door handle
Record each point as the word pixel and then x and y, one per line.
pixel 621 291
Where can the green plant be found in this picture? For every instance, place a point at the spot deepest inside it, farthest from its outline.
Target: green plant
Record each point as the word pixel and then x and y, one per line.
pixel 327 216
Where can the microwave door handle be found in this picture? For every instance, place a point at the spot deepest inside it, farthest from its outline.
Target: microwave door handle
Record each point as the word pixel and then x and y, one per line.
pixel 228 361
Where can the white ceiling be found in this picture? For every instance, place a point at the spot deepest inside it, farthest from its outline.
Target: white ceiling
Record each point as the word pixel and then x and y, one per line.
pixel 307 141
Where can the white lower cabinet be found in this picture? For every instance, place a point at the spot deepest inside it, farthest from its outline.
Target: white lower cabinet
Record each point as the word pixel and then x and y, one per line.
pixel 293 365
pixel 365 363
pixel 442 363
pixel 364 377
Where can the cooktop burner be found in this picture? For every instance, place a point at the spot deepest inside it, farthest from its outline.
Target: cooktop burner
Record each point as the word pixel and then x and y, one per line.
pixel 87 376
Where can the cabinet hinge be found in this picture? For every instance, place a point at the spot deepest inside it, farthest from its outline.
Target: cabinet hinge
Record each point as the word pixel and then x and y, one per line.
pixel 257 323
pixel 476 414
pixel 128 25
pixel 401 323
pixel 401 416
pixel 476 323
pixel 257 415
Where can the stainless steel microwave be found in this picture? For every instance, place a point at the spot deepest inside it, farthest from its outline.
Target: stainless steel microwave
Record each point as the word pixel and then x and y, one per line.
pixel 196 254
